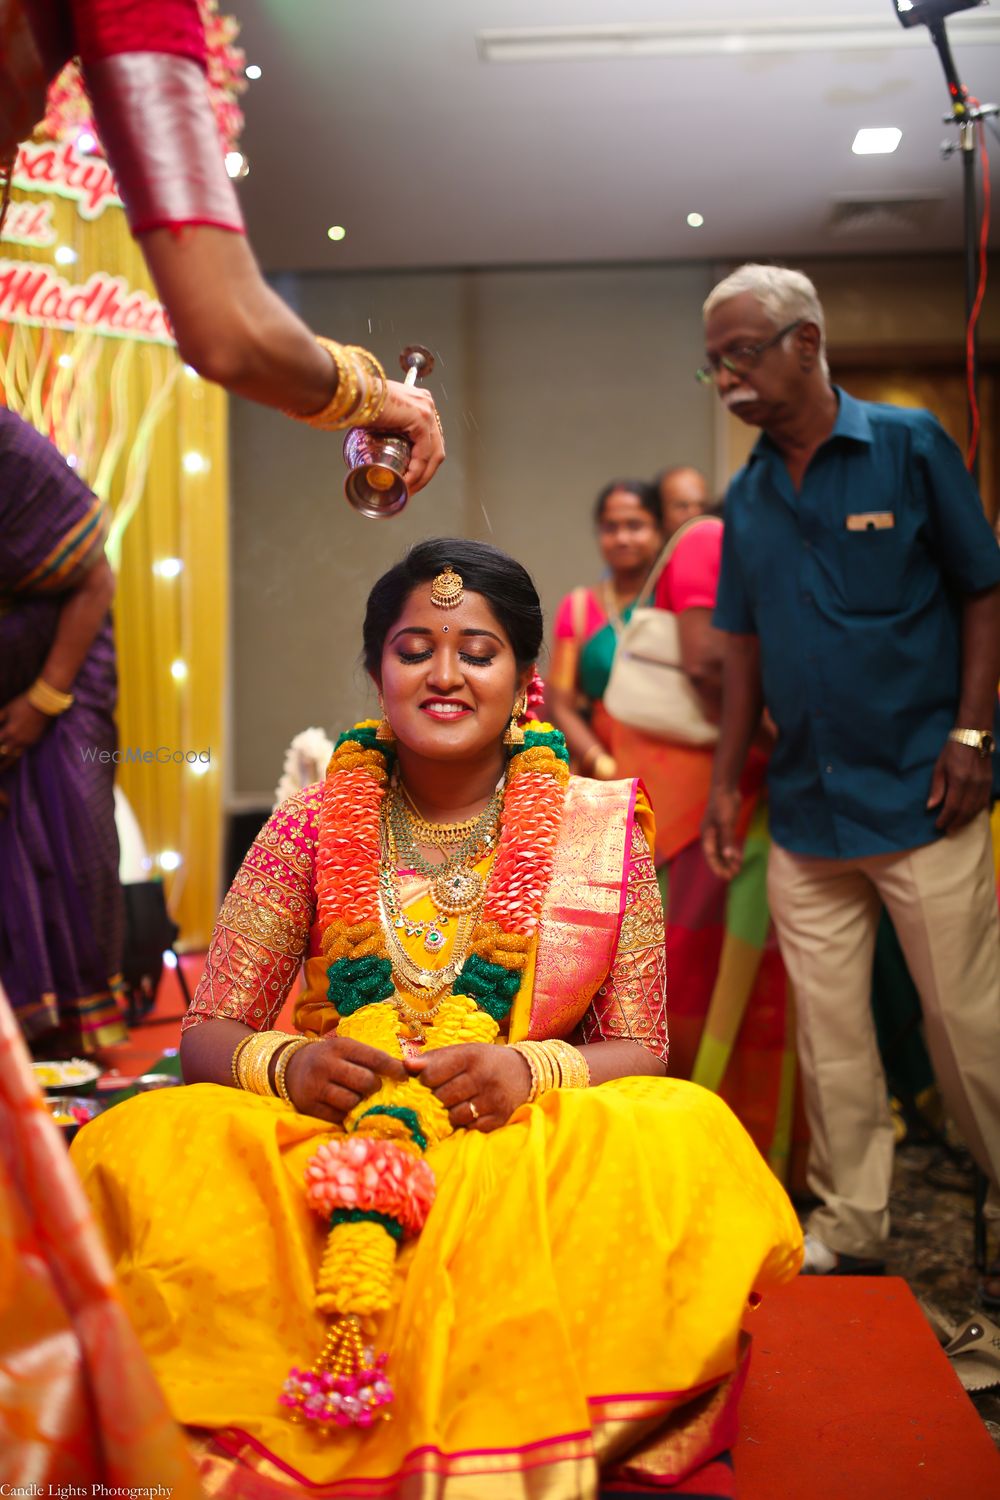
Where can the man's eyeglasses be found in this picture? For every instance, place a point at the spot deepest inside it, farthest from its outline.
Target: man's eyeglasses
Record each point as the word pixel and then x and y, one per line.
pixel 746 357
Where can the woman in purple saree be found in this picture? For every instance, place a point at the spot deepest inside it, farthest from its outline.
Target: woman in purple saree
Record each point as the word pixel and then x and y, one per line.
pixel 60 900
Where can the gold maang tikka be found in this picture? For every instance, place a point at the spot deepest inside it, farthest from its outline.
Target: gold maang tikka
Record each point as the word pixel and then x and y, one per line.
pixel 447 590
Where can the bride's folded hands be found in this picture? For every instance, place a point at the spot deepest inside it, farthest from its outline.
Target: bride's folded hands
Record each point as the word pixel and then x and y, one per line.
pixel 479 1085
pixel 329 1078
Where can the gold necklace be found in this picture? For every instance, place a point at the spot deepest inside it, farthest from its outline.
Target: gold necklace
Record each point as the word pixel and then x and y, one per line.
pixel 437 835
pixel 432 982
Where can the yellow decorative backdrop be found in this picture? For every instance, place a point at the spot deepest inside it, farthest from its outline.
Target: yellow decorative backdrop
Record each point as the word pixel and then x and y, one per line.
pixel 151 438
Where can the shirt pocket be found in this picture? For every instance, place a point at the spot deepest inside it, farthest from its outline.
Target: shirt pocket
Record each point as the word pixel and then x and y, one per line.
pixel 872 570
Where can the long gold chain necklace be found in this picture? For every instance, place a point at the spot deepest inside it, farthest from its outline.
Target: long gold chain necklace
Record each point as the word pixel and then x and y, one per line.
pixel 429 982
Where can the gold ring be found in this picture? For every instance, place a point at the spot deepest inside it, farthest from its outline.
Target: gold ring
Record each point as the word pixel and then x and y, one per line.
pixel 473 1111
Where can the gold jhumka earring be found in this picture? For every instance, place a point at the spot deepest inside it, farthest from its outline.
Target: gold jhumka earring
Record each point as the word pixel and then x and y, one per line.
pixel 384 734
pixel 514 734
pixel 447 590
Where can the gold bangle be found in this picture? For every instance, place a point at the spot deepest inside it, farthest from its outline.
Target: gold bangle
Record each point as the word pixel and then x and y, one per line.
pixel 361 390
pixel 573 1067
pixel 235 1064
pixel 554 1064
pixel 376 387
pixel 281 1066
pixel 524 1048
pixel 47 699
pixel 253 1067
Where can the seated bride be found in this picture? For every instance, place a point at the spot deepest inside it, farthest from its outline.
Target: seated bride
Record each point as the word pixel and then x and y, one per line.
pixel 460 1235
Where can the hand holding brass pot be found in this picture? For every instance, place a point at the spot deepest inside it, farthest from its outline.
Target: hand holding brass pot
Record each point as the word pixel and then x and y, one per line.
pixel 377 461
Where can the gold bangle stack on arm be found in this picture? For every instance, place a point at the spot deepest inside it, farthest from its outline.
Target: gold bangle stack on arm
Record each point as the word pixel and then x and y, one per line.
pixel 555 1064
pixel 47 699
pixel 281 1066
pixel 252 1061
pixel 237 1053
pixel 361 390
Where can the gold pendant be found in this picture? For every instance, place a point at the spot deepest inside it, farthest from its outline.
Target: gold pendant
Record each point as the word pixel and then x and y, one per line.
pixel 457 892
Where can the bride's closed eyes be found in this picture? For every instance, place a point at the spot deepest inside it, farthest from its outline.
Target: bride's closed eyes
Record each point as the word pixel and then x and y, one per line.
pixel 412 657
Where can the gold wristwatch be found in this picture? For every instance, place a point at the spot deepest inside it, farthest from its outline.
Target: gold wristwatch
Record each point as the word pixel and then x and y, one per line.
pixel 977 739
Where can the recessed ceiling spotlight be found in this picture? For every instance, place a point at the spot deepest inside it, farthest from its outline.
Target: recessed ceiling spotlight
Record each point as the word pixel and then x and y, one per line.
pixel 65 255
pixel 877 142
pixel 336 232
pixel 86 142
pixel 252 70
pixel 237 164
pixel 695 220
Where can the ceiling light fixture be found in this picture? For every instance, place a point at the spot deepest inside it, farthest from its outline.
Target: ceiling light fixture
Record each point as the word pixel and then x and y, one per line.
pixel 252 71
pixel 880 141
pixel 336 232
pixel 715 38
pixel 695 220
pixel 237 164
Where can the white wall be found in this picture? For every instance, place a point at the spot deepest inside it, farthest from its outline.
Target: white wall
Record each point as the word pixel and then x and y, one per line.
pixel 549 382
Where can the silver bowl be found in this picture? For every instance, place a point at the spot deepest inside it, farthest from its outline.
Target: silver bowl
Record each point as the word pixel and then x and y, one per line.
pixel 70 1112
pixel 150 1081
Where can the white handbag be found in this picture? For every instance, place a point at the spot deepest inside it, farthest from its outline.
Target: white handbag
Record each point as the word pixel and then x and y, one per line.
pixel 648 688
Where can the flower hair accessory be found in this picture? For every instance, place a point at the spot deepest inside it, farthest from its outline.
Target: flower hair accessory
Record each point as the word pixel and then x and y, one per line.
pixel 535 696
pixel 447 590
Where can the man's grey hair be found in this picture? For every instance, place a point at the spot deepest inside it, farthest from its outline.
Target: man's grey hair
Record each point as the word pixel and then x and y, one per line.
pixel 783 294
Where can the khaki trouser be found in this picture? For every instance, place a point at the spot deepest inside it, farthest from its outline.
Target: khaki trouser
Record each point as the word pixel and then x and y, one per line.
pixel 943 903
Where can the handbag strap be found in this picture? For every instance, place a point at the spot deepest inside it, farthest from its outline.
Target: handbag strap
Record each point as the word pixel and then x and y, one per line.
pixel 649 587
pixel 578 615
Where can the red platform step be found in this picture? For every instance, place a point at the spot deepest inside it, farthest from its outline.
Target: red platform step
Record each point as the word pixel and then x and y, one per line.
pixel 850 1397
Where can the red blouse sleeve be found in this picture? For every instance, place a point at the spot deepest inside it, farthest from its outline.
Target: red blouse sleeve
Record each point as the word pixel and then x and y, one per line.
pixel 105 28
pixel 691 578
pixel 631 1004
pixel 263 927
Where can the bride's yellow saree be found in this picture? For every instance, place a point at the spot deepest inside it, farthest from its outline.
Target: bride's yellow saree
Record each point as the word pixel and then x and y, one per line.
pixel 569 1316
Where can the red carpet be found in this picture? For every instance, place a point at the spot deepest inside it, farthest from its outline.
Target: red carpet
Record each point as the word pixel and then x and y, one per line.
pixel 849 1397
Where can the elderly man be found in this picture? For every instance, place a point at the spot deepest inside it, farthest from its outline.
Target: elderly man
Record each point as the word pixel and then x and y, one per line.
pixel 860 593
pixel 684 493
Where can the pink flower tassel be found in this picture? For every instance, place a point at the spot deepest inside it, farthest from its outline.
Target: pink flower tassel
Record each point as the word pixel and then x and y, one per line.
pixel 346 1387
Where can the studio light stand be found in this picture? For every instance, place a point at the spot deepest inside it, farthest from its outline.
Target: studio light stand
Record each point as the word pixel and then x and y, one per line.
pixel 966 116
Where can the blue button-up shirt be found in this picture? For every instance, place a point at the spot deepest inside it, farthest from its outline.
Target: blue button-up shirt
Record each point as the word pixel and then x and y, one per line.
pixel 855 587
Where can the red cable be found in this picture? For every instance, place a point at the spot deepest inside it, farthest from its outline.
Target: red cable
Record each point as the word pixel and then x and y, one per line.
pixel 974 425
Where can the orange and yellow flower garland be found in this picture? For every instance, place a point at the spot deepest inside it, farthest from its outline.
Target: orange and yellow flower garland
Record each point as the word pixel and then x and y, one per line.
pixel 372 1182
